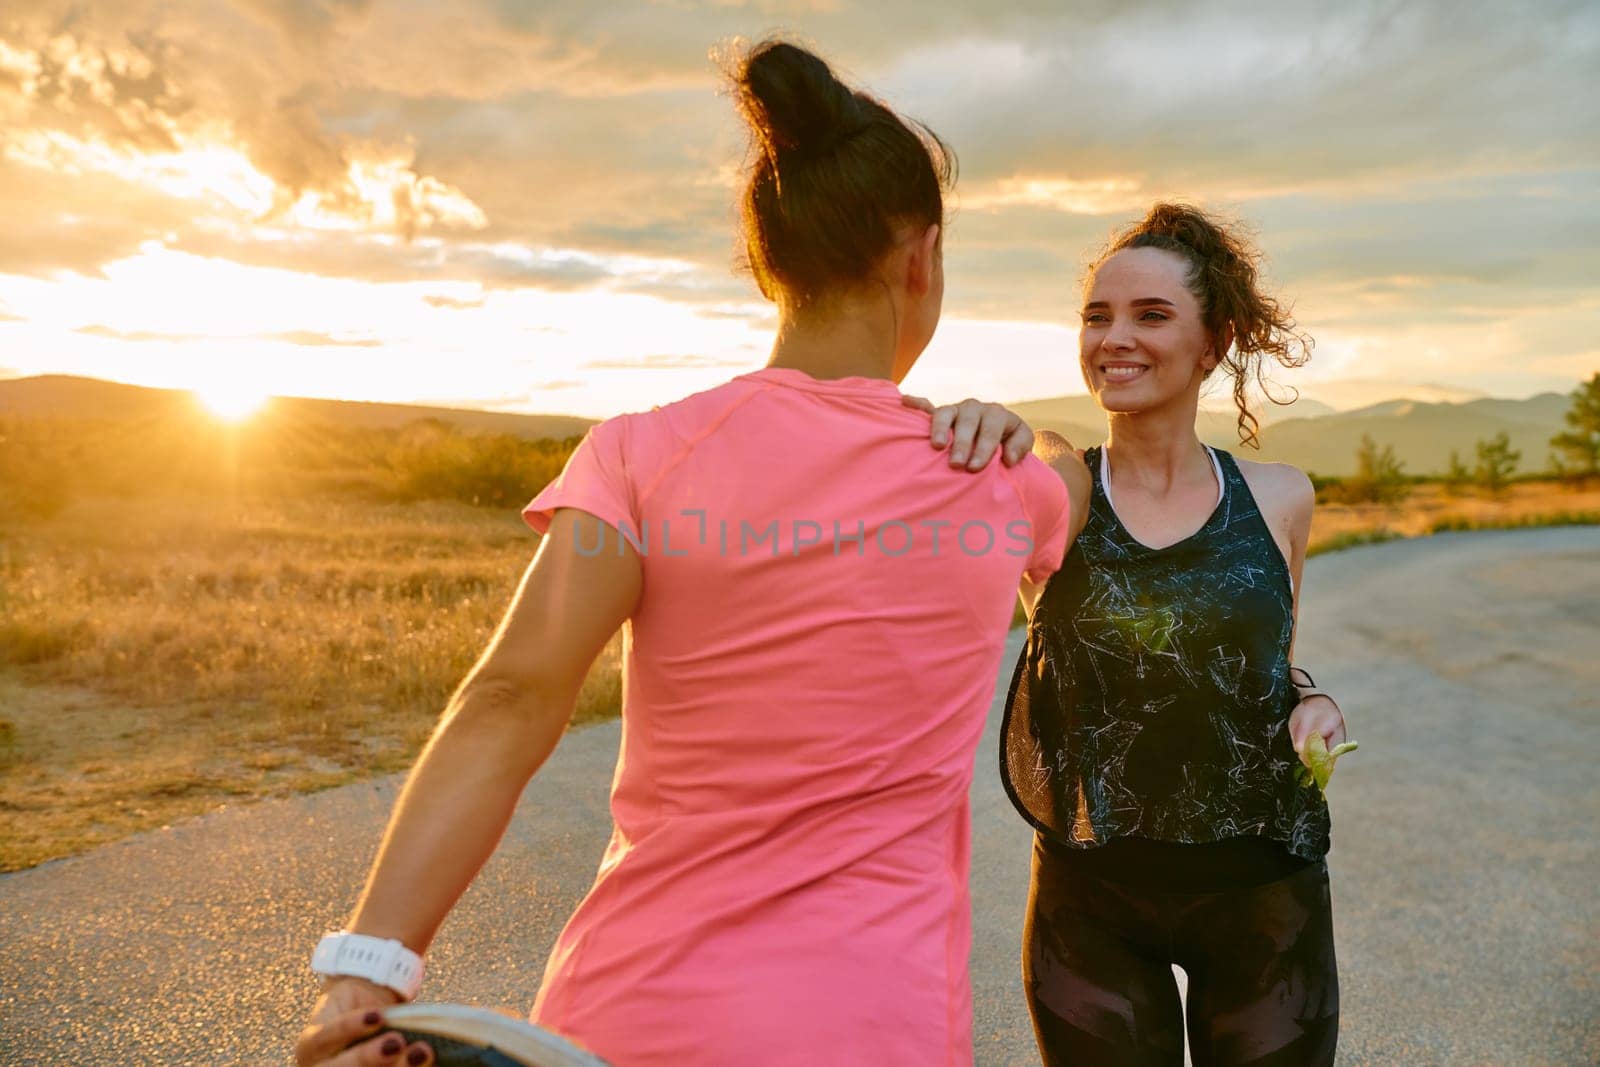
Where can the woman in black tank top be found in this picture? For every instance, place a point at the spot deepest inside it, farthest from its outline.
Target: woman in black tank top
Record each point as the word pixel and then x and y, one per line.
pixel 1153 726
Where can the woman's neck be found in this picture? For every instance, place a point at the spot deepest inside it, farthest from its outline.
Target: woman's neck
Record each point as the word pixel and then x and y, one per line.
pixel 1156 450
pixel 849 340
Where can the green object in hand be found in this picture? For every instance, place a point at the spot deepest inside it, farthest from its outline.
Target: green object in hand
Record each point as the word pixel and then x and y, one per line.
pixel 1318 761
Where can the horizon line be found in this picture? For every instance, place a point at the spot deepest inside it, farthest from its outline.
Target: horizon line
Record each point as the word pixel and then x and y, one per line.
pixel 444 405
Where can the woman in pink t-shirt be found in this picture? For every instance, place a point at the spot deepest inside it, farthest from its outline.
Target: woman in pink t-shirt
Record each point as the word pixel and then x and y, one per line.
pixel 814 603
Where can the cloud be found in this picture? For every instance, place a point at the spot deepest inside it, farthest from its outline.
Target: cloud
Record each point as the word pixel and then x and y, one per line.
pixel 305 338
pixel 98 330
pixel 1293 94
pixel 1463 246
pixel 452 303
pixel 115 90
pixel 761 315
pixel 149 95
pixel 314 339
pixel 663 362
pixel 306 21
pixel 345 109
pixel 1408 167
pixel 519 397
pixel 370 258
pixel 56 222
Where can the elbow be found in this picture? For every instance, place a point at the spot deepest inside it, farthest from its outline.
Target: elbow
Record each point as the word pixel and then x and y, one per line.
pixel 521 717
pixel 499 693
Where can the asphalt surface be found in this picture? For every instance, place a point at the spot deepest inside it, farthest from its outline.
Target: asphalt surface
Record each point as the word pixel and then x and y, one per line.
pixel 1464 863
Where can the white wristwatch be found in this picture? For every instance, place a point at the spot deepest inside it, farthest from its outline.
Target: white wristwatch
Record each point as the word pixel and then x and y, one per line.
pixel 384 961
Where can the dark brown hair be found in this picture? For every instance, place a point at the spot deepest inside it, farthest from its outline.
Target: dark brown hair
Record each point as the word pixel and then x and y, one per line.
pixel 1223 277
pixel 833 172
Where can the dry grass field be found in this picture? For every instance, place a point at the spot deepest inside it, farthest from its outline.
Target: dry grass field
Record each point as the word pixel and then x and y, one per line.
pixel 161 658
pixel 1430 509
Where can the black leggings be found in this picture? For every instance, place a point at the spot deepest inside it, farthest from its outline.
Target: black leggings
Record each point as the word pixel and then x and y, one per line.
pixel 1097 965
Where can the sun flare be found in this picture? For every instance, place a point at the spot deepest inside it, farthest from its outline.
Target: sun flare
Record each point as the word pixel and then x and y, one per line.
pixel 231 401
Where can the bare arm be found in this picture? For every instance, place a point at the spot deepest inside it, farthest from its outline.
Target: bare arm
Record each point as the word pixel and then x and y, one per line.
pixel 1067 462
pixel 1295 501
pixel 1286 499
pixel 499 727
pixel 1300 500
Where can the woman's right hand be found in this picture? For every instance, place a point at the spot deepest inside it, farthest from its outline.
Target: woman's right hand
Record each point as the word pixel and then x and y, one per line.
pixel 351 1009
pixel 976 429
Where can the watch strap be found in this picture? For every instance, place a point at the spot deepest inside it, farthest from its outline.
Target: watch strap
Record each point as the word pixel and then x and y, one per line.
pixel 384 961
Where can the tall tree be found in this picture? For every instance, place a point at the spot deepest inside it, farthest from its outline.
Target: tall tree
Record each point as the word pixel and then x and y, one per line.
pixel 1580 445
pixel 1378 478
pixel 1457 477
pixel 1496 460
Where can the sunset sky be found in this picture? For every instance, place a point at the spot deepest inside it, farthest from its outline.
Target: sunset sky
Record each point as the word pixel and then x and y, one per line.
pixel 530 206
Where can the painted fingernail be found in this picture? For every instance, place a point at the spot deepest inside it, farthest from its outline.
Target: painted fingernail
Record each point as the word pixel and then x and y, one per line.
pixel 391 1045
pixel 416 1056
pixel 372 1018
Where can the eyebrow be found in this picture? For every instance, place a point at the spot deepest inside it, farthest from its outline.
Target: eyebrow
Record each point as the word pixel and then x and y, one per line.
pixel 1144 301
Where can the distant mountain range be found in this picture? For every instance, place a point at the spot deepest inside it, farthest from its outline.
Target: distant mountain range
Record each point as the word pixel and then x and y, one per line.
pixel 1311 434
pixel 66 396
pixel 1319 440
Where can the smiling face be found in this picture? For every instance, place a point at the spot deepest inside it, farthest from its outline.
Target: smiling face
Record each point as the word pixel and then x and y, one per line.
pixel 1143 343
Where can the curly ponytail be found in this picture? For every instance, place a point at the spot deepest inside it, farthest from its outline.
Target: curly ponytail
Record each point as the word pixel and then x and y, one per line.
pixel 1224 280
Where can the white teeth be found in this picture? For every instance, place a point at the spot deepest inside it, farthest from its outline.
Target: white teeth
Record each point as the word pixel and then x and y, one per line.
pixel 1122 372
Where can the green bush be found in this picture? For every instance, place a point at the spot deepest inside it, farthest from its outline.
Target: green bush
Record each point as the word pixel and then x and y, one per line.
pixel 435 461
pixel 1579 445
pixel 1379 478
pixel 1496 460
pixel 1458 477
pixel 39 642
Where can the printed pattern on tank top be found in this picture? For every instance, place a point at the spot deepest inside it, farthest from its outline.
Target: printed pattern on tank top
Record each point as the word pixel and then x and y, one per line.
pixel 1153 695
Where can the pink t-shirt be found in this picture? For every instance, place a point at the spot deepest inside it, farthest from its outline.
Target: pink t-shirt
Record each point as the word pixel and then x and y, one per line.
pixel 806 678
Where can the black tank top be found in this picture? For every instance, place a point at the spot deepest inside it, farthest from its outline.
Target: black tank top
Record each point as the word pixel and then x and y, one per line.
pixel 1152 699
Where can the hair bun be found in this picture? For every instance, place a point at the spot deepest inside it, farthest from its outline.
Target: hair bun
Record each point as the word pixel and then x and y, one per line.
pixel 831 173
pixel 793 101
pixel 1189 226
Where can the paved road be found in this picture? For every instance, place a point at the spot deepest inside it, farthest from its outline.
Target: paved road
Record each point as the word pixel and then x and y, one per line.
pixel 1464 865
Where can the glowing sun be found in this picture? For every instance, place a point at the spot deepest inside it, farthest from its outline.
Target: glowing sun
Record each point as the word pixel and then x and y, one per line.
pixel 233 401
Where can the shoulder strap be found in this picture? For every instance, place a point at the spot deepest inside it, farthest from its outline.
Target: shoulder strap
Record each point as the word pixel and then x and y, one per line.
pixel 1228 467
pixel 1243 494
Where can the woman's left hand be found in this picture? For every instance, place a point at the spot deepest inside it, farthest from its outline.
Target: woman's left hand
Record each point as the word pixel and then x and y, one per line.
pixel 1316 714
pixel 974 430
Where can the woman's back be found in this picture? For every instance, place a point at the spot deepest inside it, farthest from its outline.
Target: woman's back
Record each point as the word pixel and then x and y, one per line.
pixel 815 606
pixel 807 676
